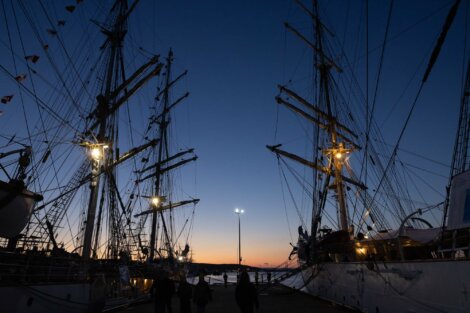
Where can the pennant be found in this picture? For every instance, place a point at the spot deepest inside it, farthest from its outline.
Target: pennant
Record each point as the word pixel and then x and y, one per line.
pixel 6 99
pixel 20 78
pixel 60 23
pixel 33 58
pixel 51 31
pixel 45 47
pixel 70 8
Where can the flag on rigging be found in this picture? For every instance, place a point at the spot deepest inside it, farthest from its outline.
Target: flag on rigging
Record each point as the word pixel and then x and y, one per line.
pixel 6 99
pixel 33 58
pixel 20 78
pixel 70 8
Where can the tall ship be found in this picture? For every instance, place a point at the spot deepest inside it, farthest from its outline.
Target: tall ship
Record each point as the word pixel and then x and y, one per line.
pixel 91 175
pixel 371 240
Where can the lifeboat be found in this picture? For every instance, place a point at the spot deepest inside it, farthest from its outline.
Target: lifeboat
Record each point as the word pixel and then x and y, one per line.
pixel 16 206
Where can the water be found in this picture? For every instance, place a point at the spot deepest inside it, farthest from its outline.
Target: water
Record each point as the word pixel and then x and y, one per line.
pixel 232 278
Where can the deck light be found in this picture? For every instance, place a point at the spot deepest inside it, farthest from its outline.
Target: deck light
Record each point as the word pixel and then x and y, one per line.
pixel 155 201
pixel 96 153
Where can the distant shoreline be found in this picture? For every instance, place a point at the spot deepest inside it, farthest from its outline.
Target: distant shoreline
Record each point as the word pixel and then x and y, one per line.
pixel 215 269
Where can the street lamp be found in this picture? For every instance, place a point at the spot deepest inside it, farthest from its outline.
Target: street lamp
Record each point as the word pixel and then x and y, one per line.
pixel 239 212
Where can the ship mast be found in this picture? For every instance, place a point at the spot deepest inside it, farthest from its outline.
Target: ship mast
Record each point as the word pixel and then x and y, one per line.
pixel 337 151
pixel 162 148
pixel 115 38
pixel 103 146
pixel 338 137
pixel 164 163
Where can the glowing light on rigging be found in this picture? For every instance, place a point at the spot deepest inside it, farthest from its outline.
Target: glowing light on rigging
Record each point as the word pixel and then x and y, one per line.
pixel 155 201
pixel 96 153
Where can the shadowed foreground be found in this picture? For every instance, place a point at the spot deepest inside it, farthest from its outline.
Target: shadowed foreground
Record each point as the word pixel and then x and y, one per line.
pixel 276 299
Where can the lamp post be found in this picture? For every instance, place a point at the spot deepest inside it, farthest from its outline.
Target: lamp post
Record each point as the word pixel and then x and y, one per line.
pixel 239 212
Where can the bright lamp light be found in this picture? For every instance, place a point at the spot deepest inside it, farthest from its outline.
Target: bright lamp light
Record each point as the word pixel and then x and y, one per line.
pixel 155 201
pixel 95 153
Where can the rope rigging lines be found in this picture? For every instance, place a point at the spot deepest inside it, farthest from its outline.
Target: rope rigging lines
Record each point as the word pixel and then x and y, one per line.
pixel 60 66
pixel 392 181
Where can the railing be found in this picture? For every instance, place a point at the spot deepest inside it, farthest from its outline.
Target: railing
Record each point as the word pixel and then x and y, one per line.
pixel 41 273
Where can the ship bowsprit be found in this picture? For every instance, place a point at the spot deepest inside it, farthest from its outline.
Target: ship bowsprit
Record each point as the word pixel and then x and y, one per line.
pixel 16 206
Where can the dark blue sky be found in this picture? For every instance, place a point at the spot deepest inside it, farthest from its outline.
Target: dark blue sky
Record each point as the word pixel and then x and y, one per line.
pixel 236 53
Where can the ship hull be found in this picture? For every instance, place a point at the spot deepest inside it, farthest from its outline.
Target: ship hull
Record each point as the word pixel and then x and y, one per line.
pixel 36 283
pixel 390 287
pixel 42 298
pixel 58 297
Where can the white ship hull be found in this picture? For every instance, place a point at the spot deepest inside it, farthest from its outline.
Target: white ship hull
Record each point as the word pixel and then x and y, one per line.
pixel 45 298
pixel 56 297
pixel 390 287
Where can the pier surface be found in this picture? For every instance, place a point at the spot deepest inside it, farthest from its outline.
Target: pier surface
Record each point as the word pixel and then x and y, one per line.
pixel 275 299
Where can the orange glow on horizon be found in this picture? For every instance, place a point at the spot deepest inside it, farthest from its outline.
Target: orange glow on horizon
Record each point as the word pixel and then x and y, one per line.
pixel 252 256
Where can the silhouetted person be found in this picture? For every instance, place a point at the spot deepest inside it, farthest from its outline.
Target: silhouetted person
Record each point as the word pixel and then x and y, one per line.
pixel 256 278
pixel 202 294
pixel 163 289
pixel 225 279
pixel 269 277
pixel 171 287
pixel 185 293
pixel 246 295
pixel 97 294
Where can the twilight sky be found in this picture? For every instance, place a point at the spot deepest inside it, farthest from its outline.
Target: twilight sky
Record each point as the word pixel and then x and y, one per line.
pixel 236 53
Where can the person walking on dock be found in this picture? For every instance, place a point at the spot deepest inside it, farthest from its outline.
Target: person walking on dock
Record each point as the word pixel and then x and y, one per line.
pixel 202 294
pixel 97 294
pixel 246 294
pixel 225 279
pixel 162 289
pixel 171 292
pixel 185 293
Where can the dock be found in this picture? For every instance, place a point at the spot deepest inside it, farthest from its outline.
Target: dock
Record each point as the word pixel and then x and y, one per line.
pixel 272 299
